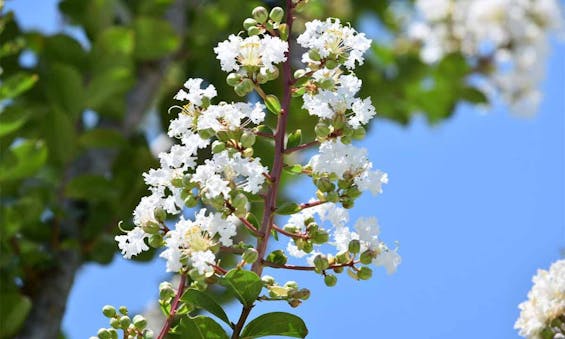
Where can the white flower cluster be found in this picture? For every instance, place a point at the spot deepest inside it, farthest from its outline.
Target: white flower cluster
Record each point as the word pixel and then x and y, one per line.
pixel 512 34
pixel 367 232
pixel 179 178
pixel 546 302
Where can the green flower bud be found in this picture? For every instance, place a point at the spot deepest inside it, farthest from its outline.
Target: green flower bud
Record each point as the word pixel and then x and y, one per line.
pixel 218 146
pixel 358 133
pixel 177 182
pixel 322 130
pixel 273 104
pixel 125 321
pixel 365 273
pixel 303 294
pixel 166 290
pixel 324 184
pixel 148 334
pixel 314 55
pixel 332 197
pixel 247 139
pixel 308 247
pixel 242 89
pixel 299 73
pixel 343 257
pixel 354 246
pixel 347 203
pixel 139 322
pixel 268 280
pixel 262 77
pixel 248 152
pixel 195 275
pixel 321 263
pixel 206 133
pixel 223 135
pixel 151 228
pixel 123 310
pixel 338 269
pixel 276 14
pixel 327 84
pixel 331 64
pixel 330 280
pixel 115 323
pixel 233 78
pixel 291 284
pixel 290 228
pixel 272 75
pixel 250 255
pixel 160 214
pixel 190 201
pixel 294 303
pixel 104 334
pixel 109 311
pixel 277 257
pixel 353 193
pixel 320 237
pixel 352 274
pixel 260 14
pixel 367 257
pixel 249 22
pixel 346 140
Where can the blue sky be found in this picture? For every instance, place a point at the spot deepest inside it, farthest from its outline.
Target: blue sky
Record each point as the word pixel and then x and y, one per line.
pixel 477 204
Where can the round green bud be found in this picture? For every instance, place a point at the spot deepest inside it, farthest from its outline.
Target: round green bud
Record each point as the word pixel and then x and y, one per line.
pixel 303 294
pixel 276 14
pixel 109 311
pixel 190 201
pixel 294 303
pixel 206 133
pixel 155 240
pixel 367 257
pixel 148 334
pixel 327 84
pixel 359 133
pixel 354 246
pixel 290 228
pixel 330 280
pixel 338 269
pixel 151 228
pixel 250 255
pixel 218 146
pixel 353 193
pixel 240 201
pixel 177 182
pixel 352 274
pixel 283 31
pixel 223 135
pixel 248 152
pixel 262 77
pixel 139 322
pixel 299 73
pixel 322 130
pixel 233 78
pixel 332 197
pixel 324 184
pixel 166 290
pixel 314 55
pixel 123 310
pixel 346 140
pixel 308 247
pixel 247 139
pixel 195 274
pixel 343 257
pixel 260 14
pixel 104 334
pixel 321 263
pixel 272 75
pixel 246 85
pixel 125 321
pixel 365 273
pixel 347 203
pixel 249 22
pixel 115 323
pixel 268 280
pixel 160 214
pixel 320 237
pixel 331 64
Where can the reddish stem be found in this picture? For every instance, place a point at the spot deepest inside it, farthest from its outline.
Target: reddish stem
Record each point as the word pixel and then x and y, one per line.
pixel 311 204
pixel 174 307
pixel 305 268
pixel 250 227
pixel 301 147
pixel 288 234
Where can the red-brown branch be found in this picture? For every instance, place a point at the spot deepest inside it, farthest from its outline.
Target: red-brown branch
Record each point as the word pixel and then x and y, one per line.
pixel 301 147
pixel 288 234
pixel 174 307
pixel 305 268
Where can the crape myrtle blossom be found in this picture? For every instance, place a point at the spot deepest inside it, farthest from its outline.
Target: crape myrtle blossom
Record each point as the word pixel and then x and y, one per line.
pixel 511 35
pixel 252 52
pixel 543 314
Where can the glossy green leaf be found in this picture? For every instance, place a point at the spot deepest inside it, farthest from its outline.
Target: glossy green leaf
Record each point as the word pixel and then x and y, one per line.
pixel 11 119
pixel 23 160
pixel 204 301
pixel 200 327
pixel 154 38
pixel 294 139
pixel 15 308
pixel 288 208
pixel 64 88
pixel 275 323
pixel 16 85
pixel 273 104
pixel 244 285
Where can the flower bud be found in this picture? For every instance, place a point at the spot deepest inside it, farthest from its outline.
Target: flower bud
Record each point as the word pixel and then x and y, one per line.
pixel 249 22
pixel 321 263
pixel 104 334
pixel 148 334
pixel 166 290
pixel 299 73
pixel 322 130
pixel 233 78
pixel 320 237
pixel 151 228
pixel 327 84
pixel 139 322
pixel 123 310
pixel 294 303
pixel 262 77
pixel 331 64
pixel 353 193
pixel 245 86
pixel 248 152
pixel 308 247
pixel 330 280
pixel 343 257
pixel 206 133
pixel 332 197
pixel 347 203
pixel 190 200
pixel 160 214
pixel 365 273
pixel 354 246
pixel 346 140
pixel 109 311
pixel 260 14
pixel 291 284
pixel 247 139
pixel 218 146
pixel 352 274
pixel 125 321
pixel 115 323
pixel 358 133
pixel 273 104
pixel 324 184
pixel 283 31
pixel 250 255
pixel 367 257
pixel 268 280
pixel 338 269
pixel 277 257
pixel 272 75
pixel 314 55
pixel 276 14
pixel 177 182
pixel 290 228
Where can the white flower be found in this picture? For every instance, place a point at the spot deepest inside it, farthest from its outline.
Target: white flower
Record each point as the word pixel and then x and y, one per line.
pixel 133 242
pixel 371 181
pixel 231 117
pixel 546 301
pixel 363 112
pixel 143 213
pixel 339 158
pixel 195 93
pixel 331 38
pixel 390 259
pixel 253 51
pixel 203 261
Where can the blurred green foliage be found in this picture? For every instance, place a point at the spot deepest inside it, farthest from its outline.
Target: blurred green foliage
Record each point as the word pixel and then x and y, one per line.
pixel 67 180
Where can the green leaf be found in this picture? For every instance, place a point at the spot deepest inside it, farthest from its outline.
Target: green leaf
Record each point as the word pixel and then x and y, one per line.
pixel 63 49
pixel 154 38
pixel 60 135
pixel 288 208
pixel 294 169
pixel 23 160
pixel 91 187
pixel 15 308
pixel 200 327
pixel 102 138
pixel 273 104
pixel 245 285
pixel 203 300
pixel 277 257
pixel 294 139
pixel 16 85
pixel 64 88
pixel 473 95
pixel 11 119
pixel 275 323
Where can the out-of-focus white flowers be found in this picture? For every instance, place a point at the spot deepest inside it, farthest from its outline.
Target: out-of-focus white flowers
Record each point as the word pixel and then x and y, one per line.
pixel 543 314
pixel 511 34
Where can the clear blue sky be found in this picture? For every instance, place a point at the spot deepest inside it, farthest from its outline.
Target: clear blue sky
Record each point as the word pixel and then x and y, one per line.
pixel 477 204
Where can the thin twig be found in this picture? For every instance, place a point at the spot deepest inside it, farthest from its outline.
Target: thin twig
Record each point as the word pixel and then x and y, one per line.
pixel 174 305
